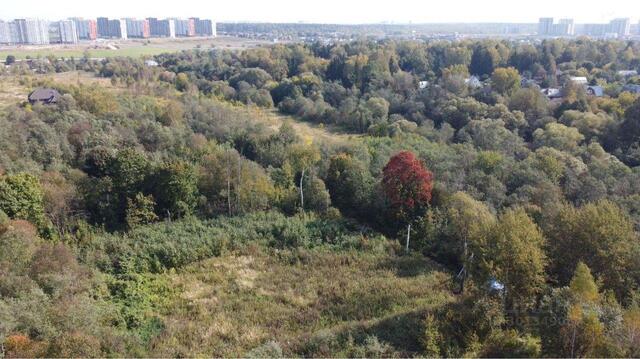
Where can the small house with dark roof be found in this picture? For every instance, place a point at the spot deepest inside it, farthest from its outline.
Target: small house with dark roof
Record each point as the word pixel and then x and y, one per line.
pixel 44 95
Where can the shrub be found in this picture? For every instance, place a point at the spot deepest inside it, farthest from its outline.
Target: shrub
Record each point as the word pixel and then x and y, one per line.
pixel 510 344
pixel 270 349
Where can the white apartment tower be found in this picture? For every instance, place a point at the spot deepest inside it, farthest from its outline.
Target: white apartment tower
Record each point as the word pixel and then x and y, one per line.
pixel 620 27
pixel 5 33
pixel 31 31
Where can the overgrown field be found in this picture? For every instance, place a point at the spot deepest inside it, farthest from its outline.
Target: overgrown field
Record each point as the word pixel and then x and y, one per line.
pixel 303 302
pixel 261 284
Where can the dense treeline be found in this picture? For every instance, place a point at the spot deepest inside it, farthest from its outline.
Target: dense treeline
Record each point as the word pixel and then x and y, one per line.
pixel 532 204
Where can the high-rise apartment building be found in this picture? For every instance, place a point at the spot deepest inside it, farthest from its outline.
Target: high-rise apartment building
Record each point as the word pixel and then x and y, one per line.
pixel 63 32
pixel 565 27
pixel 138 28
pixel 162 28
pixel 5 33
pixel 154 27
pixel 30 31
pixel 86 29
pixel 547 27
pixel 117 29
pixel 72 30
pixel 615 28
pixel 103 27
pixel 595 29
pixel 185 28
pixel 204 27
pixel 111 28
pixel 620 27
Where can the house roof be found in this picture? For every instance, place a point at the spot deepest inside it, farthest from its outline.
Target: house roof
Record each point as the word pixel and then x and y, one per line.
pixel 44 94
pixel 597 90
pixel 631 88
pixel 628 72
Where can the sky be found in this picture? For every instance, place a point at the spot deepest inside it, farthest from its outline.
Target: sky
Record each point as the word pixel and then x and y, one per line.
pixel 331 11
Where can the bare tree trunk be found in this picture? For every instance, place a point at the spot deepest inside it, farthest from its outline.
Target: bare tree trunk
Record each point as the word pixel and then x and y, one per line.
pixel 408 237
pixel 228 183
pixel 301 191
pixel 238 184
pixel 465 255
pixel 228 195
pixel 573 341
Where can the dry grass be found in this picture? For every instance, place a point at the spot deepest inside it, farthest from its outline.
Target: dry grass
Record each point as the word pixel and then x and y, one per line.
pixel 130 48
pixel 232 304
pixel 309 132
pixel 15 89
pixel 11 91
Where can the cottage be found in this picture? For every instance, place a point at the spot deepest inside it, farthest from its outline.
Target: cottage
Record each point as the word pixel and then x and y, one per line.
pixel 580 80
pixel 595 91
pixel 44 95
pixel 628 73
pixel 551 93
pixel 631 88
pixel 473 82
pixel 423 84
pixel 151 63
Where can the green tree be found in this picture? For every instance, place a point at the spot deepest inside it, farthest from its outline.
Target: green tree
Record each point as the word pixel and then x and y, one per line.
pixel 95 100
pixel 182 82
pixel 510 344
pixel 529 101
pixel 469 223
pixel 10 60
pixel 485 59
pixel 583 332
pixel 22 197
pixel 629 133
pixel 599 234
pixel 558 136
pixel 128 169
pixel 175 188
pixel 582 285
pixel 432 337
pixel 302 158
pixel 505 80
pixel 453 79
pixel 140 210
pixel 317 197
pixel 514 255
pixel 349 183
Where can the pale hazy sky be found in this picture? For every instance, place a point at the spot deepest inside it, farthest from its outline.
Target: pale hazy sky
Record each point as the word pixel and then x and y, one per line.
pixel 331 11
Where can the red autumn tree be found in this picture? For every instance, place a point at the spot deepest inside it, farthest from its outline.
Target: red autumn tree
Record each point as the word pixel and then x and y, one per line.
pixel 407 184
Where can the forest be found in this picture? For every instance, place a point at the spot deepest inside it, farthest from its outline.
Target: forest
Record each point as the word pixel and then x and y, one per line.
pixel 363 199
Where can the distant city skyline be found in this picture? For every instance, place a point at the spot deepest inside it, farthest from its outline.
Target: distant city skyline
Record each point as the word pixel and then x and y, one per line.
pixel 333 11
